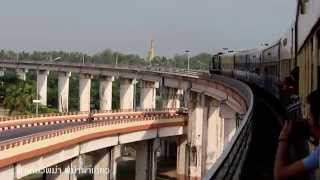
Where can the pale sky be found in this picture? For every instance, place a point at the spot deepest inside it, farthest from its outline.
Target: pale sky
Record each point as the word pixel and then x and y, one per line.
pixel 127 26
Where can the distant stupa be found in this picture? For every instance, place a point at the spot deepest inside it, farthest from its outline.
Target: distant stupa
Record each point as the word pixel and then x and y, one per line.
pixel 151 52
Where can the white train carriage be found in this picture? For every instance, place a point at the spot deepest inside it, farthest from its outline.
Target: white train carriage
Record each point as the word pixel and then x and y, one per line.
pixel 287 50
pixel 270 64
pixel 255 67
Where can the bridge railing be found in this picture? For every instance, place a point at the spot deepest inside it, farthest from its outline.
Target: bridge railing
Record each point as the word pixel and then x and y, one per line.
pixel 230 163
pixel 113 66
pixel 45 115
pixel 5 145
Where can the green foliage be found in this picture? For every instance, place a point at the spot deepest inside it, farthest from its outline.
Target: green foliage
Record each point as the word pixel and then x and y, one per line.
pixel 94 94
pixel 74 92
pixel 52 88
pixel 18 98
pixel 116 94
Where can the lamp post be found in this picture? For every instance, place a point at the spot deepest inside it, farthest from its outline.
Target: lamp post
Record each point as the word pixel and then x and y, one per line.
pixel 188 57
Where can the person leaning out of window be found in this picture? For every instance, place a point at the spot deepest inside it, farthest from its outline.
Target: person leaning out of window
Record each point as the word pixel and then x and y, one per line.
pixel 282 169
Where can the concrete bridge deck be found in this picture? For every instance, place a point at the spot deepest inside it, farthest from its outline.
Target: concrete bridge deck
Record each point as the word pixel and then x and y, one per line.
pixel 219 112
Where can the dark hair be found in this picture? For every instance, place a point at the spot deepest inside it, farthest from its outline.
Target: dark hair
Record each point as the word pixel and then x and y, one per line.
pixel 313 100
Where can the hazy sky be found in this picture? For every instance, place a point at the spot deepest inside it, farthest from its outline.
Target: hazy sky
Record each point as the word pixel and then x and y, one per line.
pixel 127 26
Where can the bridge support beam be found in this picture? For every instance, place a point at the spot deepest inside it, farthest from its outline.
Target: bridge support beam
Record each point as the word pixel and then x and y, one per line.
pixel 146 159
pixel 182 158
pixel 22 74
pixel 105 93
pixel 126 93
pixel 195 134
pixel 84 92
pixel 102 164
pixel 63 91
pixel 229 122
pixel 172 97
pixel 214 138
pixel 148 95
pixel 42 81
pixel 115 158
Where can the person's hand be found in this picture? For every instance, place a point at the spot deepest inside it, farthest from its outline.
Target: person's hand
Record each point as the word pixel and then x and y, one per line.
pixel 286 130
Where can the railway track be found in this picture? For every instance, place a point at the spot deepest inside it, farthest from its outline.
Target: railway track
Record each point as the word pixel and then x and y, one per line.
pixel 265 131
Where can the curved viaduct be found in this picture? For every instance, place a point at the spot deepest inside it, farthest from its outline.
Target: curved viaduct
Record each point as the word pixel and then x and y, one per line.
pixel 215 126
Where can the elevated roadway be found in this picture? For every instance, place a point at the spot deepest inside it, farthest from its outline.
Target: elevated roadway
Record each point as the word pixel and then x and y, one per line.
pixel 216 123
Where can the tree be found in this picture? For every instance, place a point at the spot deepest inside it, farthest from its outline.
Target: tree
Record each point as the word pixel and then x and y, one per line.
pixel 19 98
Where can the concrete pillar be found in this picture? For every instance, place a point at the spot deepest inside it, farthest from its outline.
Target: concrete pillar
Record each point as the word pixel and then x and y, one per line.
pixel 167 148
pixel 148 95
pixel 105 93
pixel 42 81
pixel 315 61
pixel 22 74
pixel 154 160
pixel 8 172
pixel 163 148
pixel 102 164
pixel 177 98
pixel 84 91
pixel 115 158
pixel 213 134
pixel 182 158
pixel 195 134
pixel 172 97
pixel 126 93
pixel 229 121
pixel 63 91
pixel 146 159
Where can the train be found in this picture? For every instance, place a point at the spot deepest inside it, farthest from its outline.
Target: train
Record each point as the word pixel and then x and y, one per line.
pixel 288 68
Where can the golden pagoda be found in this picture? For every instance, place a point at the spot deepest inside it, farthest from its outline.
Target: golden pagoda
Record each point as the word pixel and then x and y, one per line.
pixel 151 52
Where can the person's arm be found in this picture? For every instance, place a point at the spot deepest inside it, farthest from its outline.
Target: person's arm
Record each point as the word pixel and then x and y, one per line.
pixel 282 169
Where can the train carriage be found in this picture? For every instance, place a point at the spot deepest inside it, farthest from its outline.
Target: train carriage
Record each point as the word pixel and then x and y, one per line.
pixel 295 58
pixel 227 63
pixel 308 30
pixel 271 65
pixel 242 64
pixel 287 49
